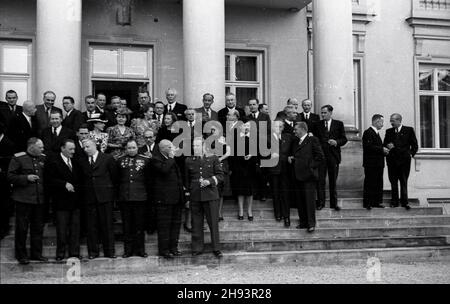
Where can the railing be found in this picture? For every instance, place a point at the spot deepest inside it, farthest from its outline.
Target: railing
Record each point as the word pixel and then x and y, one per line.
pixel 434 4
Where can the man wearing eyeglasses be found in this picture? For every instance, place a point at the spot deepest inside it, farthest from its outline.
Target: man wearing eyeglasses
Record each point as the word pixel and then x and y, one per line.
pixel 43 111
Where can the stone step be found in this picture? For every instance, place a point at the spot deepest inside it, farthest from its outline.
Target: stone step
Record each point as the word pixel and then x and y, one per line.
pixel 346 203
pixel 7 253
pixel 268 213
pixel 302 257
pixel 258 233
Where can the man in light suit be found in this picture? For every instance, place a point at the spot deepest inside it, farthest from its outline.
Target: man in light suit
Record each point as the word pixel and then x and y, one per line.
pixel 402 144
pixel 206 111
pixel 203 173
pixel 331 134
pixel 43 111
pixel 307 157
pixel 373 163
pixel 173 106
pixel 74 118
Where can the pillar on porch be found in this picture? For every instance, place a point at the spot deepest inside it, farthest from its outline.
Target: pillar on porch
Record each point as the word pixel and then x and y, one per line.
pixel 58 49
pixel 333 58
pixel 333 83
pixel 204 51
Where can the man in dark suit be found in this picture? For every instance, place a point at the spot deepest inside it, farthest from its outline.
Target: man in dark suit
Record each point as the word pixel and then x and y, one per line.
pixel 133 197
pixel 9 109
pixel 290 102
pixel 402 144
pixel 23 126
pixel 149 150
pixel 289 120
pixel 280 174
pixel 307 157
pixel 143 99
pixel 174 106
pixel 331 134
pixel 54 135
pixel 373 163
pixel 7 150
pixel 307 116
pixel 168 196
pixel 63 178
pixel 91 109
pixel 230 102
pixel 43 110
pixel 203 173
pixel 263 108
pixel 74 118
pixel 206 111
pixel 110 112
pixel 263 126
pixel 159 112
pixel 99 180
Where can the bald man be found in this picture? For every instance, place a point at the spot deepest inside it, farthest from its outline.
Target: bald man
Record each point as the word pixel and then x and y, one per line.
pixel 23 126
pixel 307 116
pixel 173 105
pixel 168 197
pixel 402 144
pixel 290 102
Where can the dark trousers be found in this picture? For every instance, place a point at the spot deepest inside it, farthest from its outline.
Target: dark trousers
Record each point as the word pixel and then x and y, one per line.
pixel 399 172
pixel 29 215
pixel 150 217
pixel 373 186
pixel 330 166
pixel 68 232
pixel 133 227
pixel 6 207
pixel 168 226
pixel 280 193
pixel 99 218
pixel 306 193
pixel 199 210
pixel 261 182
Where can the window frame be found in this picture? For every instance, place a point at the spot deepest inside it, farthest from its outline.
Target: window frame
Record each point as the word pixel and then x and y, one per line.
pixel 28 77
pixel 260 72
pixel 121 77
pixel 434 63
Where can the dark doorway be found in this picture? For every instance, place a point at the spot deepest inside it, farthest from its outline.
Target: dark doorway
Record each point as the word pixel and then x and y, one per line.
pixel 123 89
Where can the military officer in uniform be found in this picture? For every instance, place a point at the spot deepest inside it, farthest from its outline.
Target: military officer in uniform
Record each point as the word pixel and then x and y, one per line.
pixel 26 174
pixel 133 171
pixel 203 174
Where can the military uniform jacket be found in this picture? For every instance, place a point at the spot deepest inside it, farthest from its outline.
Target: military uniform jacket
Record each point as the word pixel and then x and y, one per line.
pixel 133 173
pixel 23 164
pixel 207 168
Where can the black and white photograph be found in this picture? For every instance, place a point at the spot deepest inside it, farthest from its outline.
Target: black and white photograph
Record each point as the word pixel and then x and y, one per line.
pixel 199 144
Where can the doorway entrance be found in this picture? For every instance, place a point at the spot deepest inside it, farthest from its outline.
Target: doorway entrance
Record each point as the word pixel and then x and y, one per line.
pixel 124 89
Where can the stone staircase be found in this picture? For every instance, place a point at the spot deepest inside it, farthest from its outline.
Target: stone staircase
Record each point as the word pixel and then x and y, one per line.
pixel 349 236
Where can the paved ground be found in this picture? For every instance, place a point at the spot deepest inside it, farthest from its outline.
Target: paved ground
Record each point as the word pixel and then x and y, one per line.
pixel 431 273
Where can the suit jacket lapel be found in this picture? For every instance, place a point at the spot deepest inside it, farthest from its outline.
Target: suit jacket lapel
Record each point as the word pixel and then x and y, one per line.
pixel 300 146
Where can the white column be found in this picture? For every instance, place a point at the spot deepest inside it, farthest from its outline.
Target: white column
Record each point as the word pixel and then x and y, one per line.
pixel 58 48
pixel 333 57
pixel 204 51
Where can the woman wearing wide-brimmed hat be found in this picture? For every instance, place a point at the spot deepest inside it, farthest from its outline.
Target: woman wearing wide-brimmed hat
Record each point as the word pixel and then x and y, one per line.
pixel 97 134
pixel 119 135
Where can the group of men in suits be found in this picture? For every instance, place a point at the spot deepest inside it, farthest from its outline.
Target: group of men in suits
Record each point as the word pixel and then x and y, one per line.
pixel 54 161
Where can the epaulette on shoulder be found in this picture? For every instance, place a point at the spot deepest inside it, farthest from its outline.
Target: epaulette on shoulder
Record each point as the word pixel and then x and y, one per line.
pixel 20 154
pixel 42 154
pixel 144 156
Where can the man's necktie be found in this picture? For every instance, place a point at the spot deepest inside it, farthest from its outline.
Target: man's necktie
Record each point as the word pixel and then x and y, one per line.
pixel 69 164
pixel 190 124
pixel 48 113
pixel 326 125
pixel 91 160
pixel 54 132
pixel 12 109
pixel 307 116
pixel 170 108
pixel 254 115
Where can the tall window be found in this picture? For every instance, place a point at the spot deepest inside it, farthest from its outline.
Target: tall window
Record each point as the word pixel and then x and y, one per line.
pixel 15 68
pixel 434 96
pixel 244 75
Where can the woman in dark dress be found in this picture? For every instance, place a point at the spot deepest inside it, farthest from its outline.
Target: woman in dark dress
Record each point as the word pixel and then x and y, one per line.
pixel 167 131
pixel 243 168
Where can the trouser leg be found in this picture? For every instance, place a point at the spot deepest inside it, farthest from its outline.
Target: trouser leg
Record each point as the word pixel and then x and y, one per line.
pixel 176 215
pixel 197 226
pixel 62 225
pixel 92 229
pixel 105 211
pixel 393 179
pixel 126 224
pixel 163 213
pixel 211 210
pixel 403 178
pixel 36 230
pixel 23 212
pixel 74 233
